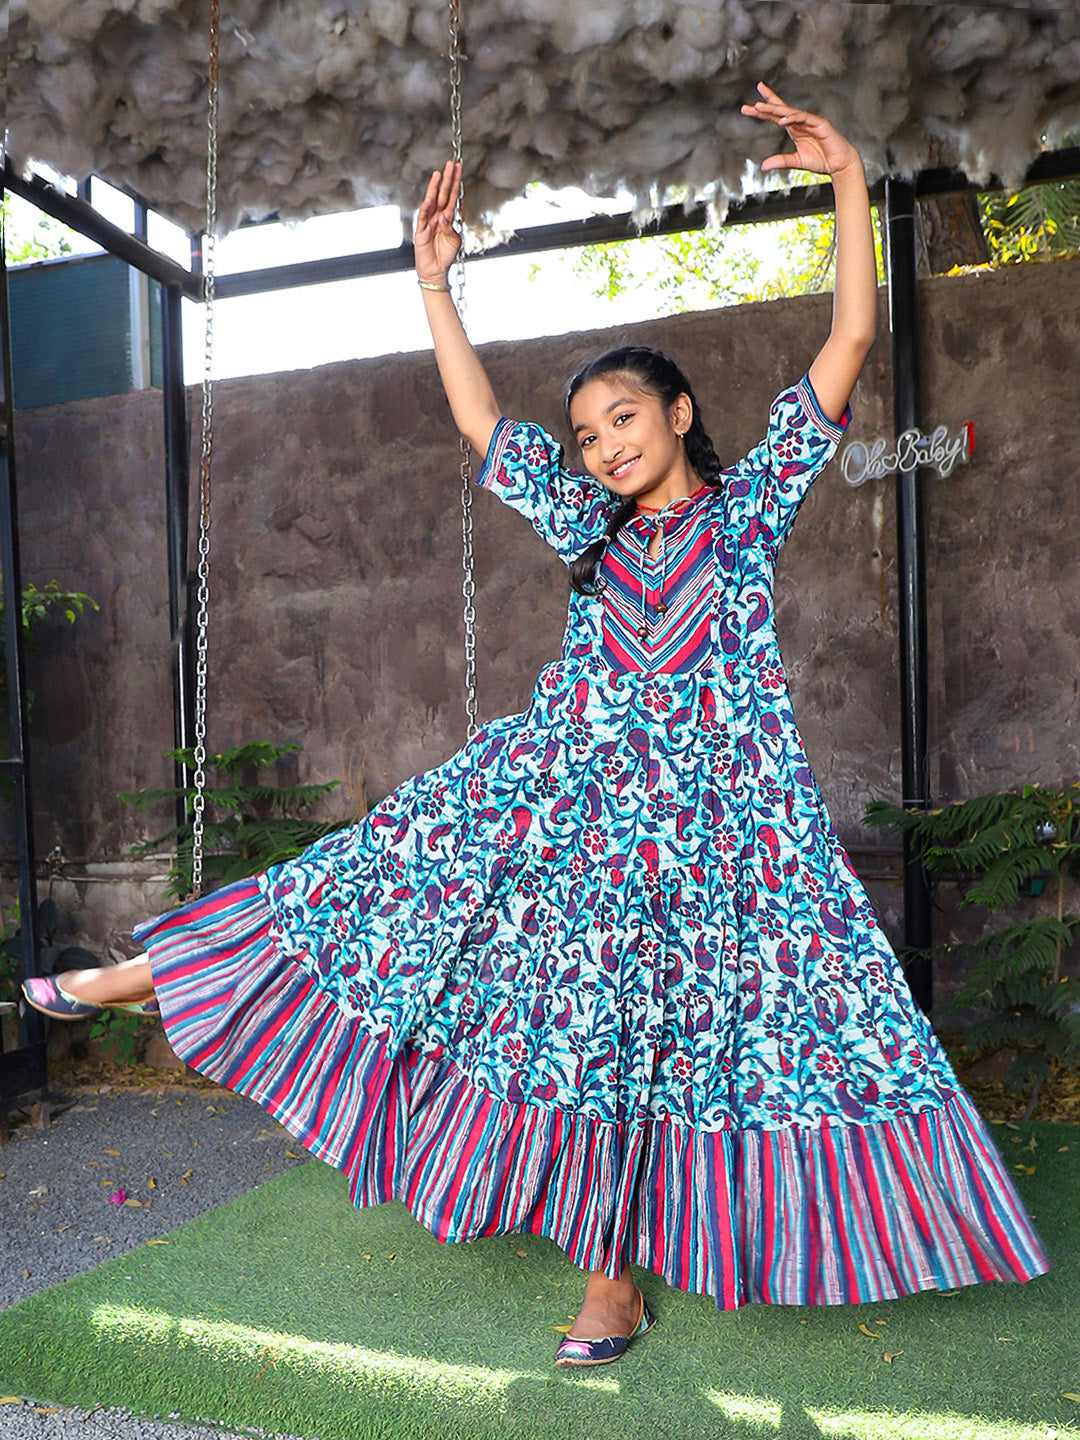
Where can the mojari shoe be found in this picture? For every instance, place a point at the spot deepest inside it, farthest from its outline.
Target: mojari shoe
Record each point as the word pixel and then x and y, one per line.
pixel 46 996
pixel 601 1352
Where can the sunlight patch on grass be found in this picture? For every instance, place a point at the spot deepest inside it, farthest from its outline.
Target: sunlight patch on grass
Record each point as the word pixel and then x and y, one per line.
pixel 924 1425
pixel 346 1364
pixel 747 1409
pixel 753 1410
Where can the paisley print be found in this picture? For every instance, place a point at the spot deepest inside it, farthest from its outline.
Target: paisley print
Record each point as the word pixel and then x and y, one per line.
pixel 629 901
pixel 607 975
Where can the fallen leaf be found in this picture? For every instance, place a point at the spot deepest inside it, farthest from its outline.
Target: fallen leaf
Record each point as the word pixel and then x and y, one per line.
pixel 151 1184
pixel 1025 1169
pixel 1063 1149
pixel 1009 1124
pixel 879 1322
pixel 562 1329
pixel 1070 1395
pixel 948 1294
pixel 523 1253
pixel 890 1355
pixel 101 1237
pixel 11 1400
pixel 365 1257
pixel 46 1410
pixel 157 1242
pixel 1005 1339
pixel 872 1333
pixel 1032 1144
pixel 26 1274
pixel 137 1204
pixel 392 1255
pixel 112 1152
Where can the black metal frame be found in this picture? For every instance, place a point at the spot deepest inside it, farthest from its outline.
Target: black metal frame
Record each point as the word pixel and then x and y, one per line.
pixel 25 1068
pixel 1054 166
pixel 177 473
pixel 900 247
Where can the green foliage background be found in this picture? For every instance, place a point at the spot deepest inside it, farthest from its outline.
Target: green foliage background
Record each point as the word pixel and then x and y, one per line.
pixel 1005 849
pixel 251 822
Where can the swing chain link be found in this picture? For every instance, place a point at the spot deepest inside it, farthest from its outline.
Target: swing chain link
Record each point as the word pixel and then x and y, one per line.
pixel 202 604
pixel 468 586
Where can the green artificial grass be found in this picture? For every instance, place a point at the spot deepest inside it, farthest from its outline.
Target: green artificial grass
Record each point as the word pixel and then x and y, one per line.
pixel 290 1311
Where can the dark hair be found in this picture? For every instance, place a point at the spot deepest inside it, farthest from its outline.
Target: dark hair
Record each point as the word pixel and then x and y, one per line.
pixel 657 374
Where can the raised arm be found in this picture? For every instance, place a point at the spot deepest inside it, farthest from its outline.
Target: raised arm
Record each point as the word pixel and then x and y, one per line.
pixel 822 149
pixel 435 247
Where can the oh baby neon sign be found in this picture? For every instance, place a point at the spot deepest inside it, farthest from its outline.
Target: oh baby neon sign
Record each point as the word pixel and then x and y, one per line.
pixel 864 460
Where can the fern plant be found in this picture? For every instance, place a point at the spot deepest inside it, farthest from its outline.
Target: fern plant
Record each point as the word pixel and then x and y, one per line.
pixel 1038 223
pixel 999 848
pixel 250 822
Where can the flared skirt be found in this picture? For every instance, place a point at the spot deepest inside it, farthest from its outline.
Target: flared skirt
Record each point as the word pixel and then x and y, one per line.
pixel 607 976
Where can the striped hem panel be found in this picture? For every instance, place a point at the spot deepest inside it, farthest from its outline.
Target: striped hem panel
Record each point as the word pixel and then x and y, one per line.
pixel 839 1214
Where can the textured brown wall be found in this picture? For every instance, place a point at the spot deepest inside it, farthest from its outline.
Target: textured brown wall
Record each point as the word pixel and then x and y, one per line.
pixel 336 564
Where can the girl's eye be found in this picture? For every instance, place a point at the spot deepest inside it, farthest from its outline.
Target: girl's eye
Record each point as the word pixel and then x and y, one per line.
pixel 586 440
pixel 621 418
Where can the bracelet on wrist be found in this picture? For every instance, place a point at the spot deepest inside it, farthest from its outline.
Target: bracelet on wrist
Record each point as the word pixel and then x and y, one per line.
pixel 433 285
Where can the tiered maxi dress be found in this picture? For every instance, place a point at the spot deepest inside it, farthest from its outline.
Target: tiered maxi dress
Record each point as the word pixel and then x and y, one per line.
pixel 607 975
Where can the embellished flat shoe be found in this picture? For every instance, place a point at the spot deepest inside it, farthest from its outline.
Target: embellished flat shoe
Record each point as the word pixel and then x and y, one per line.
pixel 45 995
pixel 573 1352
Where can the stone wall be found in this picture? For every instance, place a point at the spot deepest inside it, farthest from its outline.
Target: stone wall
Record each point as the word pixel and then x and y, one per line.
pixel 336 569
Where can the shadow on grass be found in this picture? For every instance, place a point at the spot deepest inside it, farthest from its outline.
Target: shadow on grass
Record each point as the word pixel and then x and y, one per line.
pixel 290 1311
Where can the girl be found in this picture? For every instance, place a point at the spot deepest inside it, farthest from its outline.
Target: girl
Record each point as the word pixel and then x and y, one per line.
pixel 607 975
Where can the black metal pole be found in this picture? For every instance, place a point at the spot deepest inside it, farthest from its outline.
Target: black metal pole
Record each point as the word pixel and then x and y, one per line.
pixel 177 490
pixel 911 567
pixel 16 766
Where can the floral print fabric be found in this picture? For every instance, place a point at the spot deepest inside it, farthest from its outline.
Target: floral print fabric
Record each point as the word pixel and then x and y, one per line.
pixel 628 902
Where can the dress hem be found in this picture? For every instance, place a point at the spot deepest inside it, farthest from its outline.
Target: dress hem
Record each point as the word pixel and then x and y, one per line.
pixel 843 1213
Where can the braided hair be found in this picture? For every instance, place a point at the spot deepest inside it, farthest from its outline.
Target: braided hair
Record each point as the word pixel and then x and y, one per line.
pixel 656 374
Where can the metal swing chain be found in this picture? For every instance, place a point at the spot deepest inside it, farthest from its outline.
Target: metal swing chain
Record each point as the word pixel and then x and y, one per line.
pixel 468 587
pixel 202 592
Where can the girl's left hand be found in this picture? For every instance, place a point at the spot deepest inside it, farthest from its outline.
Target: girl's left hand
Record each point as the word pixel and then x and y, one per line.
pixel 819 147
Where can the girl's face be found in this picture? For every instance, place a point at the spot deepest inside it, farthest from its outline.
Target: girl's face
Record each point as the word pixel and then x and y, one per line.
pixel 630 441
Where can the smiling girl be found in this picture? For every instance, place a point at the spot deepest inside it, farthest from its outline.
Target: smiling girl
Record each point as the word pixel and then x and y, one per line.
pixel 607 975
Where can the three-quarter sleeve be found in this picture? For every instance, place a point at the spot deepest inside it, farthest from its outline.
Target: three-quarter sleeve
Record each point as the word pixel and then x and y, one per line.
pixel 771 482
pixel 524 468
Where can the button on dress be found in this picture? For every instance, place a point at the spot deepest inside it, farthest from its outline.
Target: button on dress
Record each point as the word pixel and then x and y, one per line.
pixel 607 974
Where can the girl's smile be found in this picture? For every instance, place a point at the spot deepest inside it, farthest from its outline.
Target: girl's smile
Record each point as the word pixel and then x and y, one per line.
pixel 631 442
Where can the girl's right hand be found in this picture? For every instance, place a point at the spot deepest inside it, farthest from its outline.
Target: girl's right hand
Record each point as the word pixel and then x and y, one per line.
pixel 435 241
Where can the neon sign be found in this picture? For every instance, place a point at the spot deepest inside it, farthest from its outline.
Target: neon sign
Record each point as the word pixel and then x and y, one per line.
pixel 864 460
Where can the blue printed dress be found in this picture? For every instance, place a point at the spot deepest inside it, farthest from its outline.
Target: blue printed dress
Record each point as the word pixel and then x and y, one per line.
pixel 607 975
